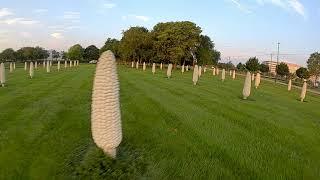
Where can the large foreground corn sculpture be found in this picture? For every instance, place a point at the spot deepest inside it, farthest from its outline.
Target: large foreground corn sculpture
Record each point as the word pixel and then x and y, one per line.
pixel 247 86
pixel 303 91
pixel 195 75
pixel 105 109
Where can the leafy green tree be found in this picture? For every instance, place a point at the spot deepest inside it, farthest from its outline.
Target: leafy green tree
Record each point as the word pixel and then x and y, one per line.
pixel 91 53
pixel 27 53
pixel 112 45
pixel 8 55
pixel 264 68
pixel 76 52
pixel 303 73
pixel 64 55
pixel 55 54
pixel 205 53
pixel 227 65
pixel 253 64
pixel 175 41
pixel 313 64
pixel 282 69
pixel 40 53
pixel 241 67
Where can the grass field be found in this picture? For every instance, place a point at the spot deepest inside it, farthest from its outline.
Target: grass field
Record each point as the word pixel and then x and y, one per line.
pixel 172 129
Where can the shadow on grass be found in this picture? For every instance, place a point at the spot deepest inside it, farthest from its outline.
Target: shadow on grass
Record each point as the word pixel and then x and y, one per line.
pixel 130 164
pixel 248 99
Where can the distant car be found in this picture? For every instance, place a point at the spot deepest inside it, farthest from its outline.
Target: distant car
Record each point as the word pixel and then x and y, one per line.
pixel 93 62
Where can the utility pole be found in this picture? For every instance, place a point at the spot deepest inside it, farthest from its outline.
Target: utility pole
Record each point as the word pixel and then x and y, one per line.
pixel 277 63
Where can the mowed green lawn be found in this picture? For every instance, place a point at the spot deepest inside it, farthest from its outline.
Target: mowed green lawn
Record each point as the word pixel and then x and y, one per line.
pixel 171 129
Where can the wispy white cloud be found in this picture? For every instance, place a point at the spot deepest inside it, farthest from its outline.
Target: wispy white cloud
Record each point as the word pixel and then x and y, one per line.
pixel 291 5
pixel 71 15
pixel 56 35
pixel 5 12
pixel 39 11
pixel 240 6
pixel 19 21
pixel 138 17
pixel 298 7
pixel 109 5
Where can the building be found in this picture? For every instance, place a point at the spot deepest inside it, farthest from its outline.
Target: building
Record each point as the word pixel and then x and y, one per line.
pixel 272 66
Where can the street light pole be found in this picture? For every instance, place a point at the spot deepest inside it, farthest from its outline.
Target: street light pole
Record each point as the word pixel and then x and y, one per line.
pixel 275 80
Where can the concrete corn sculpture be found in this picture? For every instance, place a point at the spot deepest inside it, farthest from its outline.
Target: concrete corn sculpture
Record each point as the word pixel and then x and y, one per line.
pixel 223 75
pixel 44 64
pixel 252 77
pixel 204 70
pixel 11 67
pixel 2 74
pixel 153 68
pixel 14 65
pixel 230 73
pixel 70 63
pixel 25 66
pixel 58 67
pixel 161 66
pixel 65 64
pixel 36 65
pixel 48 67
pixel 169 70
pixel 74 63
pixel 214 71
pixel 234 75
pixel 105 109
pixel 137 65
pixel 289 85
pixel 144 66
pixel 247 86
pixel 187 68
pixel 31 70
pixel 303 91
pixel 182 69
pixel 258 80
pixel 217 72
pixel 132 64
pixel 200 71
pixel 195 76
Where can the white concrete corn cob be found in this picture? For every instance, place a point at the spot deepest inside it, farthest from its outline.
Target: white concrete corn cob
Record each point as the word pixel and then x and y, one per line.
pixel 11 67
pixel 182 69
pixel 303 91
pixel 217 71
pixel 74 63
pixel 169 70
pixel 14 65
pixel 65 64
pixel 144 66
pixel 252 77
pixel 204 70
pixel 195 76
pixel 132 64
pixel 247 86
pixel 187 68
pixel 44 64
pixel 25 66
pixel 223 75
pixel 36 65
pixel 289 85
pixel 161 66
pixel 48 67
pixel 137 65
pixel 153 68
pixel 234 75
pixel 31 70
pixel 2 74
pixel 58 67
pixel 105 113
pixel 70 64
pixel 214 71
pixel 258 79
pixel 199 71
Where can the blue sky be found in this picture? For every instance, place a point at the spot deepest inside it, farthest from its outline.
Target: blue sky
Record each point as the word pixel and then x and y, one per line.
pixel 239 28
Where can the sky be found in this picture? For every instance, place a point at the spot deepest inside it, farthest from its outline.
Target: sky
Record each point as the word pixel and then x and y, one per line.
pixel 239 28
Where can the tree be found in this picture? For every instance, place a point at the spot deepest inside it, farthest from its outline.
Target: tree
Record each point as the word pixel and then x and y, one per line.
pixel 282 69
pixel 64 55
pixel 252 64
pixel 313 64
pixel 8 55
pixel 40 53
pixel 264 68
pixel 174 42
pixel 241 67
pixel 303 73
pixel 228 65
pixel 91 53
pixel 26 53
pixel 205 53
pixel 112 45
pixel 75 52
pixel 55 54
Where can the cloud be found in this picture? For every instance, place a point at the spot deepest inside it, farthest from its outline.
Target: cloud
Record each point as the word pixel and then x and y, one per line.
pixel 240 6
pixel 109 5
pixel 71 15
pixel 138 17
pixel 18 21
pixel 5 12
pixel 39 11
pixel 56 35
pixel 293 5
pixel 26 34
